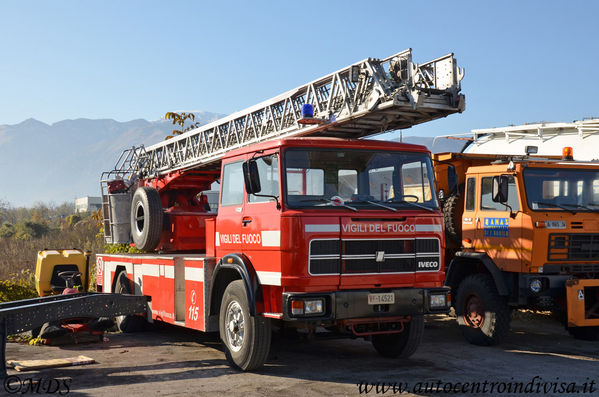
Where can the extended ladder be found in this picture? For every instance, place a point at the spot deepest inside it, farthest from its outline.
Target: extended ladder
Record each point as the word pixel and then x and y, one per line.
pixel 366 98
pixel 362 99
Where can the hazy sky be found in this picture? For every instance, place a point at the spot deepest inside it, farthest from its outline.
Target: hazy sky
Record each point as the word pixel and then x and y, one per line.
pixel 525 61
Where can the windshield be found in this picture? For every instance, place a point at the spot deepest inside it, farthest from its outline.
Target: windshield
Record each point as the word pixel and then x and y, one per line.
pixel 358 179
pixel 562 189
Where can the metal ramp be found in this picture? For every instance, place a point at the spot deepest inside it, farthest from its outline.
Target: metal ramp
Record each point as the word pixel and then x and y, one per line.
pixel 27 314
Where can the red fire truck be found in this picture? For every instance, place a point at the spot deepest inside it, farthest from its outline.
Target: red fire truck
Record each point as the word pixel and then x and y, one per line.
pixel 314 228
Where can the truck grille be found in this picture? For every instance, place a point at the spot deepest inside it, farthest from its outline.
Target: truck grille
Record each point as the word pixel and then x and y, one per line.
pixel 573 247
pixel 353 256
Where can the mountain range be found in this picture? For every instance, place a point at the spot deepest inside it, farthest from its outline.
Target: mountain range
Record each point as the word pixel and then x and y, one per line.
pixel 54 163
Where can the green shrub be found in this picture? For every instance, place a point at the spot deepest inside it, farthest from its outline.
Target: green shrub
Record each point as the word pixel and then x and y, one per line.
pixel 120 249
pixel 29 230
pixel 18 286
pixel 7 230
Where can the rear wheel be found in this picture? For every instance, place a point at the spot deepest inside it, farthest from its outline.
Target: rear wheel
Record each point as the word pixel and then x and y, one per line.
pixel 403 344
pixel 483 315
pixel 246 338
pixel 452 217
pixel 146 218
pixel 128 323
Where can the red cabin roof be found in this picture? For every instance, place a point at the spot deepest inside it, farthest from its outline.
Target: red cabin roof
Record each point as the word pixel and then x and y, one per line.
pixel 327 143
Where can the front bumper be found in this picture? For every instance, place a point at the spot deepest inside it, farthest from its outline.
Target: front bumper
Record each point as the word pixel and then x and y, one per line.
pixel 353 304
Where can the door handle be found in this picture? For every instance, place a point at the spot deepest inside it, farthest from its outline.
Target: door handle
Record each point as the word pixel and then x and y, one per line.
pixel 246 220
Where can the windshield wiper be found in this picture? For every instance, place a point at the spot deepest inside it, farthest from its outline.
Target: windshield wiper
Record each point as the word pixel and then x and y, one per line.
pixel 377 204
pixel 331 202
pixel 392 200
pixel 581 206
pixel 554 205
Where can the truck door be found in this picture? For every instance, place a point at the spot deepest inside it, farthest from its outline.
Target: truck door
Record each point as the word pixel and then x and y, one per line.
pixel 499 228
pixel 230 210
pixel 261 223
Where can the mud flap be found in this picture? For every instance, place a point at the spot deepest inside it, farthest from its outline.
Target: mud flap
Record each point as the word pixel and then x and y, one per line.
pixel 583 302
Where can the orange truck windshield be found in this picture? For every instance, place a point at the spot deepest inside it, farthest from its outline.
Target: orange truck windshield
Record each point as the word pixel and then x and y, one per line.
pixel 572 190
pixel 358 179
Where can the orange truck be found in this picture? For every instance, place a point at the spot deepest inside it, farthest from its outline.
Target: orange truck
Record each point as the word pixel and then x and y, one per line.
pixel 522 232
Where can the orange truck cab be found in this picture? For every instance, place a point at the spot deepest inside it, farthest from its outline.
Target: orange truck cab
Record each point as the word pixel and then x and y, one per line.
pixel 345 235
pixel 523 232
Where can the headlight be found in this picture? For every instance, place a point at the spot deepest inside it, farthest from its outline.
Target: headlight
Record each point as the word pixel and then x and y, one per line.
pixel 307 307
pixel 437 301
pixel 315 306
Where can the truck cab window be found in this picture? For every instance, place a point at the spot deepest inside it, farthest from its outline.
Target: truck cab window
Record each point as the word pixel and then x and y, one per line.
pixel 305 181
pixel 347 183
pixel 268 169
pixel 486 200
pixel 381 182
pixel 233 185
pixel 416 181
pixel 470 194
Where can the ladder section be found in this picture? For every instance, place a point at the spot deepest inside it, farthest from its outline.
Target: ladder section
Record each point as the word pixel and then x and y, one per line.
pixel 366 98
pixel 542 131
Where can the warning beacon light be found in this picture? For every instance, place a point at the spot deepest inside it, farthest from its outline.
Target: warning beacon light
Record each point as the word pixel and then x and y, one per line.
pixel 308 115
pixel 568 153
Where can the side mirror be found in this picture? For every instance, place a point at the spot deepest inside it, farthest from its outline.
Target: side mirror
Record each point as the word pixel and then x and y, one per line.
pixel 251 177
pixel 452 180
pixel 500 189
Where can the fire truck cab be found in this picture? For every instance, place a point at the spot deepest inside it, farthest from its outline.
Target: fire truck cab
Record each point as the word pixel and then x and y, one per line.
pixel 340 234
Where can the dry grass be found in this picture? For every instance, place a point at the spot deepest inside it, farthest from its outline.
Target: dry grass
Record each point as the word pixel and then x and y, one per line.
pixel 18 255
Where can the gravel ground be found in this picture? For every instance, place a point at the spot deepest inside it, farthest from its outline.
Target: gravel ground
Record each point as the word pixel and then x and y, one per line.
pixel 172 361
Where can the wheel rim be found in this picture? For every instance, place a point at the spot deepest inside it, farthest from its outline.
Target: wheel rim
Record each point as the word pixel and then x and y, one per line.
pixel 235 326
pixel 474 312
pixel 140 218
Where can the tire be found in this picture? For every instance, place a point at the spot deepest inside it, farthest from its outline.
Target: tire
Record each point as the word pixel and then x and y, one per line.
pixel 452 217
pixel 483 315
pixel 128 323
pixel 246 339
pixel 401 345
pixel 584 333
pixel 147 218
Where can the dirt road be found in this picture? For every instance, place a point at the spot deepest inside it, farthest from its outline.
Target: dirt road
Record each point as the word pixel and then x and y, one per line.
pixel 174 362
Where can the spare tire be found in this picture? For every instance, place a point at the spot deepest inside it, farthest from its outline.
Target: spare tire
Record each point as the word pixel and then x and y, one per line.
pixel 146 218
pixel 452 216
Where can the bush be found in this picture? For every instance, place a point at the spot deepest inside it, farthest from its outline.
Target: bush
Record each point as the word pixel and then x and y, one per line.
pixel 28 230
pixel 7 230
pixel 18 286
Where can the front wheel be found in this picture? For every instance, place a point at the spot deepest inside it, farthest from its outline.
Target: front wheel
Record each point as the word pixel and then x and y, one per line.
pixel 483 314
pixel 403 344
pixel 127 323
pixel 246 338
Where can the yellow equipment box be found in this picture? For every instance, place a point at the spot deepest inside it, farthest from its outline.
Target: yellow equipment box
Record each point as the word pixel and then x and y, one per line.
pixel 52 262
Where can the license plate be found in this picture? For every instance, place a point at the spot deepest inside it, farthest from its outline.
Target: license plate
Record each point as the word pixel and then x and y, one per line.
pixel 381 299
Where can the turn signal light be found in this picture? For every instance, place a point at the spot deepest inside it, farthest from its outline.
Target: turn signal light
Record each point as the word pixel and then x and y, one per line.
pixel 297 307
pixel 540 224
pixel 568 153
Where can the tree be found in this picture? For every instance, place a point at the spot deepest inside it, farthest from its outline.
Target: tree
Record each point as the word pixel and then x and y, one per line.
pixel 179 119
pixel 7 230
pixel 28 230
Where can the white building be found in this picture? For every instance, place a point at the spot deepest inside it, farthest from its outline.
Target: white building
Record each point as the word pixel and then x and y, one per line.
pixel 88 204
